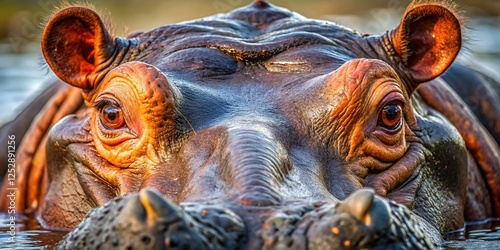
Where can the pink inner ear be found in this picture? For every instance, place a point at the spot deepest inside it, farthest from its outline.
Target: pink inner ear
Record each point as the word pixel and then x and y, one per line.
pixel 79 43
pixel 428 40
pixel 422 44
pixel 84 49
pixel 88 51
pixel 72 49
pixel 74 42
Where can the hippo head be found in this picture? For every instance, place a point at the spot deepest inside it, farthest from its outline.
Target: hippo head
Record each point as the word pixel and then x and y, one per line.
pixel 256 108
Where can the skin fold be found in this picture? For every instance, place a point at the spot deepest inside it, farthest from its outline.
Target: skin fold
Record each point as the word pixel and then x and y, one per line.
pixel 258 111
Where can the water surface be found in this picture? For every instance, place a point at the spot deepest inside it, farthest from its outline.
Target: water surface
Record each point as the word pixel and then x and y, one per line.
pixel 30 235
pixel 27 233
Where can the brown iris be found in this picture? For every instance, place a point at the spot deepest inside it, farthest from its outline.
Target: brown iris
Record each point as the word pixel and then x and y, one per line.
pixel 112 117
pixel 390 117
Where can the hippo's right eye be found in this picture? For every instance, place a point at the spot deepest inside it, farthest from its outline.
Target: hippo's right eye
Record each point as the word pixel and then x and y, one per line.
pixel 391 116
pixel 112 117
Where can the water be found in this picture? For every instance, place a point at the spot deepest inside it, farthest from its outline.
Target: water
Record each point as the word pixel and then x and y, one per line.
pixel 475 235
pixel 27 233
pixel 21 76
pixel 30 235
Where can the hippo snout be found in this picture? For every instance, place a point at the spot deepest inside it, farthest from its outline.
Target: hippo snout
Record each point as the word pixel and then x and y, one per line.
pixel 145 220
pixel 255 164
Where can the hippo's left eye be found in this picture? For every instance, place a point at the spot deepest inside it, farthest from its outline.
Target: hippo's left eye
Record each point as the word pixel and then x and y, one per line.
pixel 391 116
pixel 110 114
pixel 112 117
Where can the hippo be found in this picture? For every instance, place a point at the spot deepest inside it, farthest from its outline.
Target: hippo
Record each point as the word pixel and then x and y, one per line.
pixel 259 129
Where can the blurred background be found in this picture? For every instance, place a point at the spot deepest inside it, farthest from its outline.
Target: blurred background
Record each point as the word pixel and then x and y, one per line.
pixel 22 68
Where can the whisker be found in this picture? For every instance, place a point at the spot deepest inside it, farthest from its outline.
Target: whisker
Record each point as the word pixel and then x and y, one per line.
pixel 191 126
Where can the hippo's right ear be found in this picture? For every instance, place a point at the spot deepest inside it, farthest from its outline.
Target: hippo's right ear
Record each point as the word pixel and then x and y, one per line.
pixel 427 40
pixel 74 43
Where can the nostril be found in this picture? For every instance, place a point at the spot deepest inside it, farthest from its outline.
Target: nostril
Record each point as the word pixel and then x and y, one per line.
pixel 146 239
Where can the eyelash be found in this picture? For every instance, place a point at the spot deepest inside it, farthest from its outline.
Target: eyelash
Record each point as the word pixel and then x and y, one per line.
pixel 101 103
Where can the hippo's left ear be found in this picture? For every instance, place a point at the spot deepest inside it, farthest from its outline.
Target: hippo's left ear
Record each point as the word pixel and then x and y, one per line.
pixel 74 43
pixel 427 40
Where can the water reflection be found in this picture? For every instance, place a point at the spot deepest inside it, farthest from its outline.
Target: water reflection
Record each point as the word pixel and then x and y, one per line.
pixel 28 233
pixel 475 235
pixel 488 229
pixel 21 76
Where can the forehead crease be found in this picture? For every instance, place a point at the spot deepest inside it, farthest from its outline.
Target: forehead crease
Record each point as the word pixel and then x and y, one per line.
pixel 244 39
pixel 366 71
pixel 356 80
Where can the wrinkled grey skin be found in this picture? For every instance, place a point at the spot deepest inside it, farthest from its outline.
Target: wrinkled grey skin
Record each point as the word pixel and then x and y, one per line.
pixel 128 223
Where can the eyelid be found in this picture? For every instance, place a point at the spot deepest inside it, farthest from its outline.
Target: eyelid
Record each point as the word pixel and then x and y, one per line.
pixel 393 97
pixel 104 100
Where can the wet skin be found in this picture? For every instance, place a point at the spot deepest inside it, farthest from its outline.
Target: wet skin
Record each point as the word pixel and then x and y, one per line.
pixel 260 108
